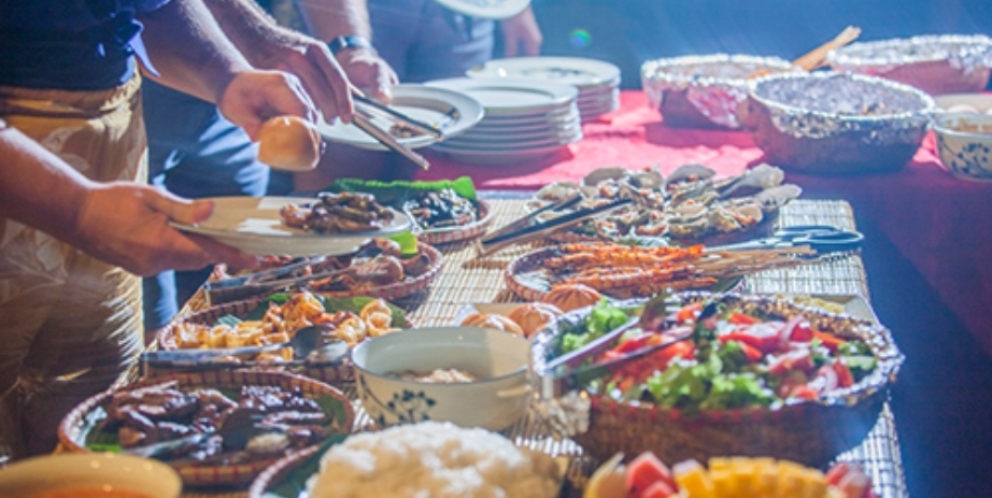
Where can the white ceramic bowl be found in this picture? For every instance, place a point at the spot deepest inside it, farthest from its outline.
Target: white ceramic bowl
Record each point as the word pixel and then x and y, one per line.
pixel 496 358
pixel 88 471
pixel 973 103
pixel 964 143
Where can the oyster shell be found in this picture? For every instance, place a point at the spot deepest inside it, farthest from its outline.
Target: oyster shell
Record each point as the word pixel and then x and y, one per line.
pixel 774 198
pixel 649 179
pixel 690 173
pixel 602 174
pixel 557 191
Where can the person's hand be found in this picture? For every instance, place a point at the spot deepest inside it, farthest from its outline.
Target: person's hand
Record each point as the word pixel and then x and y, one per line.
pixel 252 97
pixel 322 76
pixel 369 72
pixel 519 31
pixel 127 225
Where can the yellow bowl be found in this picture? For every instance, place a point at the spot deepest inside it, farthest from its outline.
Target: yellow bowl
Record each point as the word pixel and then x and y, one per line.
pixel 104 471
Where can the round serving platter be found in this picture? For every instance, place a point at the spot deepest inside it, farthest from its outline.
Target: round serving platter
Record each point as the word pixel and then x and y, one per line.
pixel 451 111
pixel 254 226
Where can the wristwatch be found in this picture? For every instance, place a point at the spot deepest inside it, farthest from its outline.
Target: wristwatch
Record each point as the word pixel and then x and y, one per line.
pixel 345 42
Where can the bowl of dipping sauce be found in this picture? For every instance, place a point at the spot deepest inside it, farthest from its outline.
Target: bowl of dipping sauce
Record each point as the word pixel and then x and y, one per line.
pixel 964 144
pixel 90 475
pixel 469 376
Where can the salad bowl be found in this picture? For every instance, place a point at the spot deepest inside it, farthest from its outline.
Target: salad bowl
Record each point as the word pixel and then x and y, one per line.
pixel 754 376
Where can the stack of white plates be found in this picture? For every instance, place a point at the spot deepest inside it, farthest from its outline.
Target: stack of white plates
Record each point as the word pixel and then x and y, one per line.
pixel 524 119
pixel 598 82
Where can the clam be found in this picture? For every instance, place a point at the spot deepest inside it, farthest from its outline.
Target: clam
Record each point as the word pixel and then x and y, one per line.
pixel 557 191
pixel 602 174
pixel 647 179
pixel 774 198
pixel 690 173
pixel 752 181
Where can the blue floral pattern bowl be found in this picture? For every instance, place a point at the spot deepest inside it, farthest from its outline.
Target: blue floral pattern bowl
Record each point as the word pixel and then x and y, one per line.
pixel 964 143
pixel 497 360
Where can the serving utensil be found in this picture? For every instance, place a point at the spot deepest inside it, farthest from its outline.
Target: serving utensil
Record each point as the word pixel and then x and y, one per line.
pixel 537 230
pixel 399 116
pixel 306 341
pixel 385 138
pixel 816 58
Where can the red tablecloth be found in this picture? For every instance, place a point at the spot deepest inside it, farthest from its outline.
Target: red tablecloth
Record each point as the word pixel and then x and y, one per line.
pixel 942 224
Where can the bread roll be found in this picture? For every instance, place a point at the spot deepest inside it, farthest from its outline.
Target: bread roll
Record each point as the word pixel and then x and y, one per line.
pixel 487 321
pixel 289 143
pixel 570 297
pixel 532 317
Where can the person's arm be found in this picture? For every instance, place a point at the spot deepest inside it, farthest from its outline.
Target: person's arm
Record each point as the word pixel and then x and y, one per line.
pixel 193 55
pixel 270 46
pixel 330 19
pixel 521 34
pixel 124 224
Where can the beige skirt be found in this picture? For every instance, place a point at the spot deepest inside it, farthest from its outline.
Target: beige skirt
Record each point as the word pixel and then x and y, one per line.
pixel 70 325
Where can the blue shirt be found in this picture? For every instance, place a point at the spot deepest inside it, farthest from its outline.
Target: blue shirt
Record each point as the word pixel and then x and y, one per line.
pixel 70 44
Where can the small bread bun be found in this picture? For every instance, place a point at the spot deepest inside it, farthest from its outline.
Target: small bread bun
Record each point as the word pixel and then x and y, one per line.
pixel 487 321
pixel 532 317
pixel 289 143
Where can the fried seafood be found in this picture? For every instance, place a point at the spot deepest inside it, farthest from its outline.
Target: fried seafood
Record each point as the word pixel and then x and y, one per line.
pixel 632 271
pixel 441 209
pixel 281 322
pixel 333 213
pixel 378 263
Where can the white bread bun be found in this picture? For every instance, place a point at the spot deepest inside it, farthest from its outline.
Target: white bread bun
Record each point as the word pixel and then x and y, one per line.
pixel 532 317
pixel 487 321
pixel 289 143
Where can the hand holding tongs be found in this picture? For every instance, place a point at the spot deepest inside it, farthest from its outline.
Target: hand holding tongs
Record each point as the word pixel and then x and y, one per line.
pixel 528 228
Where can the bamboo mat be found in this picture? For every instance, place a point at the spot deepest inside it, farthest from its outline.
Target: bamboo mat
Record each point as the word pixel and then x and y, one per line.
pixel 466 280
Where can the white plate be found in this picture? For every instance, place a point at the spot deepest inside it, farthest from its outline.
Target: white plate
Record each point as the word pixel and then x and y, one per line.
pixel 523 131
pixel 582 73
pixel 513 98
pixel 253 225
pixel 503 156
pixel 487 9
pixel 452 111
pixel 517 140
pixel 521 146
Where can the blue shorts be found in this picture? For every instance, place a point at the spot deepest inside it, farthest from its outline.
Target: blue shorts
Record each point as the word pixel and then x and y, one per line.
pixel 192 152
pixel 423 41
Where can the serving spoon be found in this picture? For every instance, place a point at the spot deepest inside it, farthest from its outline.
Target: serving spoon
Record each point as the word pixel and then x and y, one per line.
pixel 815 58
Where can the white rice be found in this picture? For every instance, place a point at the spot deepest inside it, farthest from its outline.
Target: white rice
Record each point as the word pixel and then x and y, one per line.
pixel 433 460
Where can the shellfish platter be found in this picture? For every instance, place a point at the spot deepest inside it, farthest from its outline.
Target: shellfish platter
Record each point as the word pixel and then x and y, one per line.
pixel 691 206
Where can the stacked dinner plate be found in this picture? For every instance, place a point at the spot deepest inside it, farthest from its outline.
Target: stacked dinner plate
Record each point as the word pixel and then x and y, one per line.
pixel 524 119
pixel 598 82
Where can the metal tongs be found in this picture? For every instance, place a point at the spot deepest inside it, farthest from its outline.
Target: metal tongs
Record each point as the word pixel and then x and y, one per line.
pixel 529 228
pixel 362 120
pixel 568 372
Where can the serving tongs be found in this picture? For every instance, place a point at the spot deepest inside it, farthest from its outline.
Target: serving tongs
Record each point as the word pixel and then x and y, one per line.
pixel 362 121
pixel 529 228
pixel 399 116
pixel 570 372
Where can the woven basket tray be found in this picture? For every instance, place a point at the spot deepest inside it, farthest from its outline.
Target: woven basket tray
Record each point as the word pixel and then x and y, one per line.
pixel 812 433
pixel 438 236
pixel 72 430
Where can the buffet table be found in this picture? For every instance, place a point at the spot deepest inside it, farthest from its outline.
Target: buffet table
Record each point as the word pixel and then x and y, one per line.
pixel 940 224
pixel 465 279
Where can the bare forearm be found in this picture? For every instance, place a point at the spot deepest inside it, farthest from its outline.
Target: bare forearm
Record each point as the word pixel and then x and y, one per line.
pixel 37 188
pixel 190 51
pixel 251 29
pixel 329 19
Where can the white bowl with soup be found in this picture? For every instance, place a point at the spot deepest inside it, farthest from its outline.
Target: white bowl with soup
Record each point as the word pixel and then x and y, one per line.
pixel 90 475
pixel 472 377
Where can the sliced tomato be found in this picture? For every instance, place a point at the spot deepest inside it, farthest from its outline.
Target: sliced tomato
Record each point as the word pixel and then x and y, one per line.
pixel 742 319
pixel 683 349
pixel 801 332
pixel 753 354
pixel 830 341
pixel 764 336
pixel 826 379
pixel 797 359
pixel 844 376
pixel 804 392
pixel 689 313
pixel 637 343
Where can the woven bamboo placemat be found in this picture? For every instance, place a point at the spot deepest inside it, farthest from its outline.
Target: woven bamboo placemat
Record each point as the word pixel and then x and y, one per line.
pixel 467 280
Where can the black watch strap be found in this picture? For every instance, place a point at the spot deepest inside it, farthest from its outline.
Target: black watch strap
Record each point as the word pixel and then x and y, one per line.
pixel 344 42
